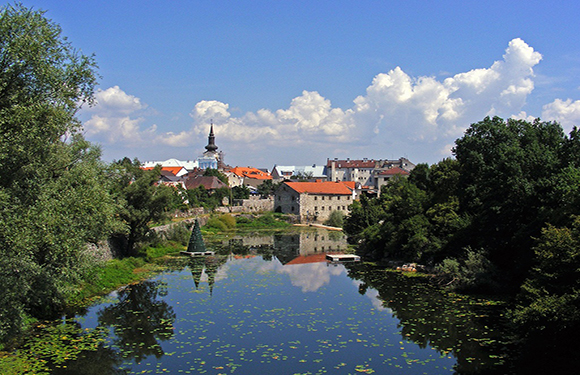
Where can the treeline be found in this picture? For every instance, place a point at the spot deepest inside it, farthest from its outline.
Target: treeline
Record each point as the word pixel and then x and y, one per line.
pixel 500 217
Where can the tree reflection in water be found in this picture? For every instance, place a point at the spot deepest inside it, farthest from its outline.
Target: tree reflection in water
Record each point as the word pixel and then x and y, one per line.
pixel 140 320
pixel 469 329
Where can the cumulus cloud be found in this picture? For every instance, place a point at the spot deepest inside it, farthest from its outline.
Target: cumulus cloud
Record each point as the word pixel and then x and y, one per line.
pixel 420 115
pixel 116 118
pixel 566 112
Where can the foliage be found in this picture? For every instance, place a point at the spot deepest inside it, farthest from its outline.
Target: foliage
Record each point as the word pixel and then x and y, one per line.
pixel 178 233
pixel 241 192
pixel 267 188
pixel 335 219
pixel 53 189
pixel 140 199
pixel 550 296
pixel 509 179
pixel 220 223
pixel 215 173
pixel 201 197
pixel 473 272
pixel 267 220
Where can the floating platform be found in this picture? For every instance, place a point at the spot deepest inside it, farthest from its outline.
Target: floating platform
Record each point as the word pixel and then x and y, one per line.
pixel 342 258
pixel 198 253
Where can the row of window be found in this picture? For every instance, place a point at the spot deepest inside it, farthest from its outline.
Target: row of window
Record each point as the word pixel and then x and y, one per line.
pixel 330 198
pixel 329 208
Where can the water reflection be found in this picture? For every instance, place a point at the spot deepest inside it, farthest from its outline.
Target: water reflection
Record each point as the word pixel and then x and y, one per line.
pixel 140 320
pixel 272 304
pixel 469 329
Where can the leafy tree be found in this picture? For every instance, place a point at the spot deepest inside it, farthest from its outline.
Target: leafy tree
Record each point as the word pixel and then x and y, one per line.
pixel 335 219
pixel 215 173
pixel 241 192
pixel 53 195
pixel 550 296
pixel 507 186
pixel 141 200
pixel 267 188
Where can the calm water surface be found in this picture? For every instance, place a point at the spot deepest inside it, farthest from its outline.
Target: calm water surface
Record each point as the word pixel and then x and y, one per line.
pixel 278 308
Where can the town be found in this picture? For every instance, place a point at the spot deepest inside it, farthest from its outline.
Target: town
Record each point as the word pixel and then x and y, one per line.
pixel 310 192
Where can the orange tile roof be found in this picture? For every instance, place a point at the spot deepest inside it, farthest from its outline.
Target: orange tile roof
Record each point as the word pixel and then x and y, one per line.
pixel 251 173
pixel 173 170
pixel 326 187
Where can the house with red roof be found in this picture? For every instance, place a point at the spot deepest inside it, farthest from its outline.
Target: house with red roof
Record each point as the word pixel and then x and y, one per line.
pixel 313 201
pixel 250 176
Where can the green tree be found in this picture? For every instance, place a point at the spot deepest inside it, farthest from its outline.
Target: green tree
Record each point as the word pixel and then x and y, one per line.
pixel 141 200
pixel 507 186
pixel 267 188
pixel 241 192
pixel 549 302
pixel 215 173
pixel 53 193
pixel 335 219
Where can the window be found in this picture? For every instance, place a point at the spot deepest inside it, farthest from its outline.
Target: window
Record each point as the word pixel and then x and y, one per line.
pixel 321 208
pixel 315 208
pixel 315 198
pixel 322 198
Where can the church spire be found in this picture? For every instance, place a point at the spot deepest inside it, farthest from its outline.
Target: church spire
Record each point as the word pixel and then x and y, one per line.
pixel 211 147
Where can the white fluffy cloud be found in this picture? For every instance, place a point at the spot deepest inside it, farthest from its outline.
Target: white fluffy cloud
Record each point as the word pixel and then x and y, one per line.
pixel 115 118
pixel 418 116
pixel 566 112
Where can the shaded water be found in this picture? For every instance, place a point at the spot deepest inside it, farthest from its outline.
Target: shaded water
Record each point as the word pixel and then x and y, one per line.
pixel 272 304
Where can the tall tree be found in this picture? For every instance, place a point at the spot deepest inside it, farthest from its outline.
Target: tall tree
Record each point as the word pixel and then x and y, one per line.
pixel 141 200
pixel 53 196
pixel 507 185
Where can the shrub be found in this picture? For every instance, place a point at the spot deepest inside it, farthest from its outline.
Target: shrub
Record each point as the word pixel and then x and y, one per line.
pixel 336 219
pixel 178 233
pixel 473 273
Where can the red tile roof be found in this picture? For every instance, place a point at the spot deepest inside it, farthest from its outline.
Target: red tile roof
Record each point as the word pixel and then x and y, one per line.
pixel 251 173
pixel 393 171
pixel 326 187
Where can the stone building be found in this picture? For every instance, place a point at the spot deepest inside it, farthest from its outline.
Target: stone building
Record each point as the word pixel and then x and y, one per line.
pixel 314 201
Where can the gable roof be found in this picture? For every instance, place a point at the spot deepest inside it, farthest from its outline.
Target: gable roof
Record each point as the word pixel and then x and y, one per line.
pixel 351 163
pixel 317 171
pixel 393 171
pixel 325 187
pixel 208 182
pixel 251 173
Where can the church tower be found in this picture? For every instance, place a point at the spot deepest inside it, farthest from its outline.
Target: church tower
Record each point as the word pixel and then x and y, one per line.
pixel 211 158
pixel 211 147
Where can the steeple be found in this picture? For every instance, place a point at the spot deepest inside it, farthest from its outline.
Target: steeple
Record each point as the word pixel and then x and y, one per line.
pixel 211 147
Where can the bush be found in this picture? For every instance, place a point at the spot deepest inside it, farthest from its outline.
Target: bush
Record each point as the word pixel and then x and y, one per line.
pixel 178 233
pixel 220 223
pixel 474 273
pixel 336 219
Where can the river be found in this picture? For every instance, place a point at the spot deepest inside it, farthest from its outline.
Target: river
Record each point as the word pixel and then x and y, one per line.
pixel 271 304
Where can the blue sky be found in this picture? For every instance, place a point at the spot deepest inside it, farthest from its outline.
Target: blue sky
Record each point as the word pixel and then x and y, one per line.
pixel 297 82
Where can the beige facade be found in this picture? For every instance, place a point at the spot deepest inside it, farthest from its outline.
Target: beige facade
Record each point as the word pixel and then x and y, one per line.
pixel 313 201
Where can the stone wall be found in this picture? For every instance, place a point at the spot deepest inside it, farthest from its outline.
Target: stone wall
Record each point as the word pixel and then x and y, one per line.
pixel 254 204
